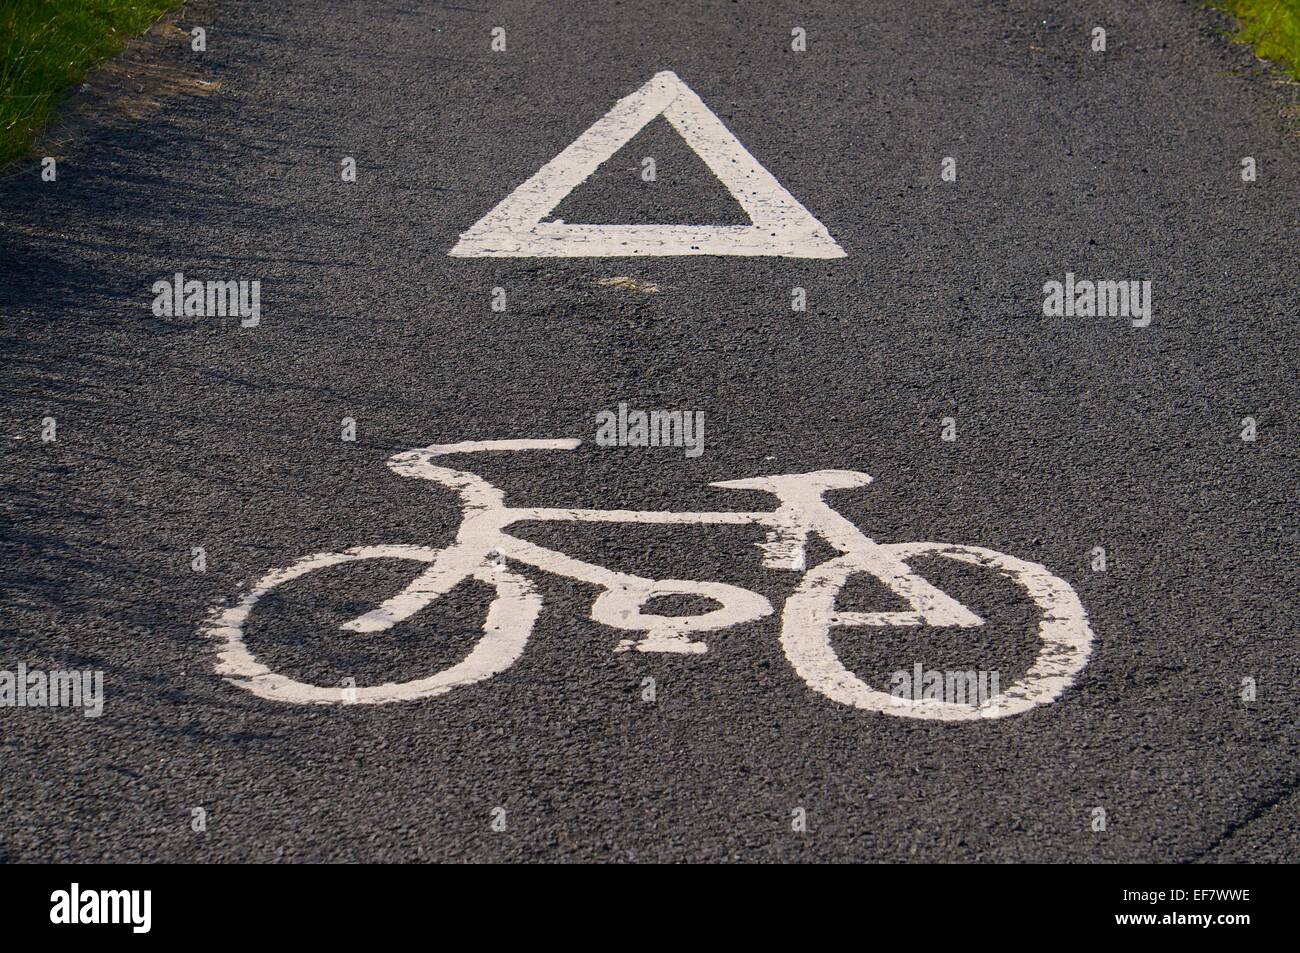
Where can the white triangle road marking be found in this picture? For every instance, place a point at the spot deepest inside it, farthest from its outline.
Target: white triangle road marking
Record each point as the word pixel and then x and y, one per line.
pixel 781 226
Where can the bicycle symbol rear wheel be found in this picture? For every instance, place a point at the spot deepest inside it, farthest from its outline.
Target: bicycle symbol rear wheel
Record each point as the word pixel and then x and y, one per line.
pixel 810 615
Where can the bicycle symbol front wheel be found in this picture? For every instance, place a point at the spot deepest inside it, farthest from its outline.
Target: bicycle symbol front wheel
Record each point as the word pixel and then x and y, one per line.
pixel 510 618
pixel 810 615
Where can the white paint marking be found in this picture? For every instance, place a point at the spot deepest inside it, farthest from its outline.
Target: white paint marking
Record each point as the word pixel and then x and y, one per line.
pixel 629 284
pixel 1066 638
pixel 510 619
pixel 483 551
pixel 781 226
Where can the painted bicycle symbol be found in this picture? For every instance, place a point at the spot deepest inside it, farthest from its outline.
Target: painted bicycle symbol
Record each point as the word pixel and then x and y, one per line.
pixel 484 550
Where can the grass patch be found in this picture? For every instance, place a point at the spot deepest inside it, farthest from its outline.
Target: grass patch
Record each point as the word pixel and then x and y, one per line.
pixel 46 46
pixel 1272 27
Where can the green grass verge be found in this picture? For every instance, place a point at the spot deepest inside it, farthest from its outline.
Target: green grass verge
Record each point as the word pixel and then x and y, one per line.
pixel 1272 27
pixel 46 46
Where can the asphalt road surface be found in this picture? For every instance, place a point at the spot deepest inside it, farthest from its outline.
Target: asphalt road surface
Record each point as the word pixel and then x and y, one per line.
pixel 1072 433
